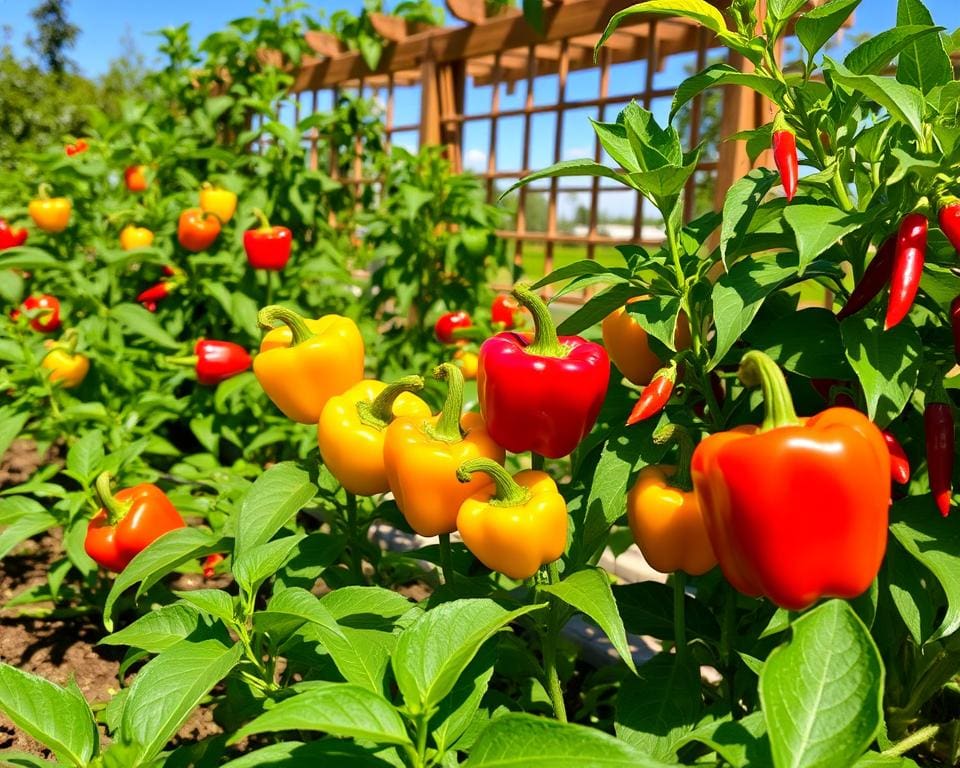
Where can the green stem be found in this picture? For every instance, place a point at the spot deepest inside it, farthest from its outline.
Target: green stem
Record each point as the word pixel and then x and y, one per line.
pixel 447 428
pixel 189 361
pixel 509 493
pixel 545 342
pixel 679 613
pixel 675 252
pixel 423 725
pixel 270 281
pixel 262 219
pixel 446 559
pixel 550 637
pixel 356 557
pixel 674 433
pixel 379 413
pixel 915 739
pixel 727 631
pixel 269 316
pixel 756 368
pixel 536 461
pixel 116 510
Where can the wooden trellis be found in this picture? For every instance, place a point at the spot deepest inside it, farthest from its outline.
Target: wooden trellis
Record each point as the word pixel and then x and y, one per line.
pixel 503 51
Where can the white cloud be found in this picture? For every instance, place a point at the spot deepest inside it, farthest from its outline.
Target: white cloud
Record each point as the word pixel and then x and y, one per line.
pixel 475 159
pixel 577 153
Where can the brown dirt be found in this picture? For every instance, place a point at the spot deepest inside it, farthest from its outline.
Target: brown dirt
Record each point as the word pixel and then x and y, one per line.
pixel 21 460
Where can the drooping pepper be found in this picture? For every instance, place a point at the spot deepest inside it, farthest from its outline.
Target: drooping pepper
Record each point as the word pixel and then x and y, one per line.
pixel 267 247
pixel 197 230
pixel 422 456
pixel 513 525
pixel 654 396
pixel 352 429
pixel 541 393
pixel 448 323
pixel 785 155
pixel 51 214
pixel 156 292
pixel 210 564
pixel 304 363
pixel 222 203
pixel 128 523
pixel 78 148
pixel 874 277
pixel 67 368
pixel 949 218
pixel 899 463
pixel 505 311
pixel 10 237
pixel 795 509
pixel 132 237
pixel 940 443
pixel 955 327
pixel 628 344
pixel 215 361
pixel 664 513
pixel 135 177
pixel 907 267
pixel 44 312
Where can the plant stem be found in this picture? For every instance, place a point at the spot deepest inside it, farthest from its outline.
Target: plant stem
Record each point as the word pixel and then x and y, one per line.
pixel 727 630
pixel 679 613
pixel 554 688
pixel 446 559
pixel 356 557
pixel 536 461
pixel 423 723
pixel 915 739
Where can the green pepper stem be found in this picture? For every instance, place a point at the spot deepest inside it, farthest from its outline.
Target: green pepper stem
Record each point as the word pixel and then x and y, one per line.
pixel 447 428
pixel 262 218
pixel 43 191
pixel 190 361
pixel 674 433
pixel 379 413
pixel 545 342
pixel 269 316
pixel 756 368
pixel 509 492
pixel 116 510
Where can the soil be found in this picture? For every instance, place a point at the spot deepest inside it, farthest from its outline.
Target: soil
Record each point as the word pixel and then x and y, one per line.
pixel 21 460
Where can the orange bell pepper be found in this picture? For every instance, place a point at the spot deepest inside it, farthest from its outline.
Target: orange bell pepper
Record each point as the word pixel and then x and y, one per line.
pixel 51 214
pixel 304 363
pixel 628 345
pixel 422 456
pixel 513 525
pixel 197 230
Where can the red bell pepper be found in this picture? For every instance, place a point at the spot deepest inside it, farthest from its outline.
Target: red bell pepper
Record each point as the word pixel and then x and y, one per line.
pixel 10 237
pixel 447 325
pixel 785 155
pixel 655 395
pixel 215 361
pixel 874 277
pixel 47 309
pixel 907 267
pixel 504 311
pixel 267 247
pixel 940 442
pixel 949 218
pixel 539 392
pixel 128 523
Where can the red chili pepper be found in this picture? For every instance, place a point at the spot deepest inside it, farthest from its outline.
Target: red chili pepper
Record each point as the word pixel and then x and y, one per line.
pixel 450 322
pixel 907 267
pixel 47 319
pixel 150 306
pixel 267 247
pixel 215 361
pixel 875 276
pixel 171 271
pixel 785 157
pixel 539 392
pixel 655 395
pixel 76 149
pixel 505 310
pixel 955 326
pixel 157 292
pixel 899 463
pixel 938 427
pixel 10 237
pixel 210 565
pixel 949 218
pixel 128 523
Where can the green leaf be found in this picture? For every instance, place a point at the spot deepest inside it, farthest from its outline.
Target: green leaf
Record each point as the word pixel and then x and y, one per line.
pixel 816 27
pixel 58 718
pixel 433 652
pixel 169 688
pixel 214 602
pixel 11 425
pixel 28 257
pixel 822 692
pixel 657 708
pixel 524 741
pixel 576 269
pixel 934 544
pixel 873 56
pixel 458 709
pixel 658 316
pixel 662 183
pixel 723 74
pixel 589 591
pixel 908 590
pixel 700 11
pixel 613 138
pixel 647 609
pixel 784 9
pixel 252 568
pixel 742 743
pixel 138 321
pixel 819 227
pixel 598 307
pixel 24 526
pixel 904 102
pixel 276 496
pixel 887 364
pixel 924 66
pixel 340 709
pixel 85 457
pixel 740 204
pixel 334 753
pixel 355 601
pixel 570 168
pixel 158 630
pixel 806 341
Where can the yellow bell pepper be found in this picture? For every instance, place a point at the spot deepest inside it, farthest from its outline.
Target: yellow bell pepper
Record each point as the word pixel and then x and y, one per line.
pixel 222 203
pixel 132 237
pixel 51 214
pixel 66 368
pixel 304 363
pixel 468 362
pixel 665 518
pixel 352 429
pixel 422 457
pixel 513 525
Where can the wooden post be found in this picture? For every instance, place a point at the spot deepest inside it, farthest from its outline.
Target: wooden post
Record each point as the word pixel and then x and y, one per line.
pixel 429 100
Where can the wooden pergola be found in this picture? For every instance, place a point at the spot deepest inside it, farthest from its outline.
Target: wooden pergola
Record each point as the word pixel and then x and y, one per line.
pixel 503 51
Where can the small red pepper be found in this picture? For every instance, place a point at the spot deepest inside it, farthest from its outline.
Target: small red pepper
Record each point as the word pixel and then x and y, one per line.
pixel 785 155
pixel 899 463
pixel 135 177
pixel 47 308
pixel 955 326
pixel 938 427
pixel 949 218
pixel 210 565
pixel 655 395
pixel 874 277
pixel 215 361
pixel 267 247
pixel 128 523
pixel 10 237
pixel 150 306
pixel 157 292
pixel 505 310
pixel 76 149
pixel 907 267
pixel 448 323
pixel 540 392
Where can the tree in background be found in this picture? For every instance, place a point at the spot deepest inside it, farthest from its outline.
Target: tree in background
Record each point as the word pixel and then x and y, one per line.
pixel 55 35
